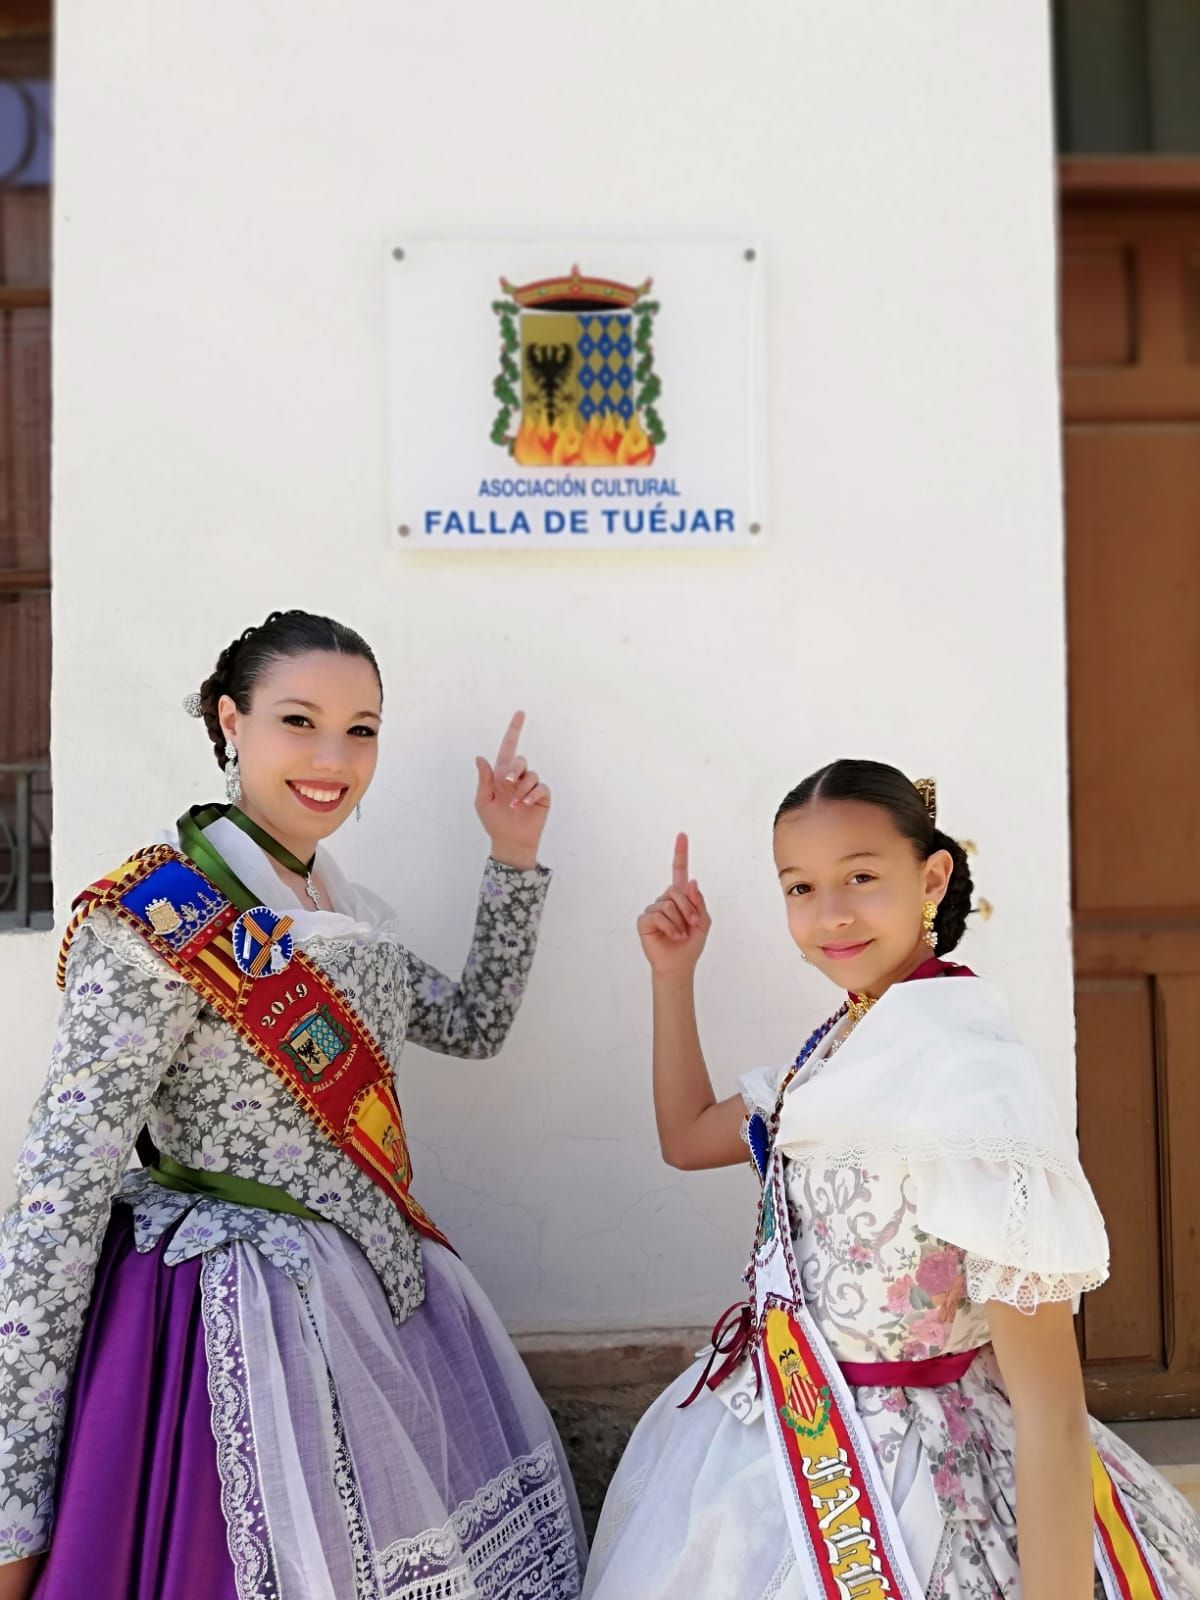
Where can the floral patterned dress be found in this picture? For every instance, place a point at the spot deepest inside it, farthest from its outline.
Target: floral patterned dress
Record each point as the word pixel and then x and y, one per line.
pixel 694 1509
pixel 321 1375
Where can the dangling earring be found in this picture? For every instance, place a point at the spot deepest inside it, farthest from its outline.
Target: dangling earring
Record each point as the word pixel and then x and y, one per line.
pixel 928 917
pixel 233 774
pixel 358 811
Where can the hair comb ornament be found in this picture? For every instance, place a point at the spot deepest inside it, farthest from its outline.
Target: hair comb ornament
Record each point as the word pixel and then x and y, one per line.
pixel 927 789
pixel 192 705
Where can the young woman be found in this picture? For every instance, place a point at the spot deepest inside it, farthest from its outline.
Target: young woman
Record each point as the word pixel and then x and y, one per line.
pixel 262 1372
pixel 899 1410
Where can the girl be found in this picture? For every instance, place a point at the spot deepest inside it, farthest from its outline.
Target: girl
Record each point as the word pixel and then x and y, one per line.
pixel 282 1383
pixel 899 1410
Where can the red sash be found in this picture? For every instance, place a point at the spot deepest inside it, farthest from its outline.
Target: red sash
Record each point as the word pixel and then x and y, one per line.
pixel 294 1020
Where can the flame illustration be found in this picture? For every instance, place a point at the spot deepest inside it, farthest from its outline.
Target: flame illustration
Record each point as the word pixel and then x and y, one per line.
pixel 635 449
pixel 567 445
pixel 603 441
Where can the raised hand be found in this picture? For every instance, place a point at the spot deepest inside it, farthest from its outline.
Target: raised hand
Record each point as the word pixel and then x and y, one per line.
pixel 511 801
pixel 674 928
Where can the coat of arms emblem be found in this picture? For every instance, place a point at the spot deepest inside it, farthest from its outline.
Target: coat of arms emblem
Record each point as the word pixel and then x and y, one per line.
pixel 577 369
pixel 806 1404
pixel 315 1043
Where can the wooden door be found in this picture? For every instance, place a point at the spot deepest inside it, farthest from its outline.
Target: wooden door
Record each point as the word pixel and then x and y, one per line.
pixel 1131 442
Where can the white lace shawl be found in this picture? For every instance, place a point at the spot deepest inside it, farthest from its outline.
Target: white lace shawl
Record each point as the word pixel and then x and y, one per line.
pixel 935 1078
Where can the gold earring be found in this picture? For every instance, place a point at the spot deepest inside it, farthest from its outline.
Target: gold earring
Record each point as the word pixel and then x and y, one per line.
pixel 928 918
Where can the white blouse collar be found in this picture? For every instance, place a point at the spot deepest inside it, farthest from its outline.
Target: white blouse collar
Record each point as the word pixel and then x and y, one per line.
pixel 360 914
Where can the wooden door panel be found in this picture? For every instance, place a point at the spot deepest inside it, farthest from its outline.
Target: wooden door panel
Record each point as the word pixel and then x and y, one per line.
pixel 1133 585
pixel 1123 1321
pixel 1180 1024
pixel 1130 297
pixel 1131 454
pixel 1099 309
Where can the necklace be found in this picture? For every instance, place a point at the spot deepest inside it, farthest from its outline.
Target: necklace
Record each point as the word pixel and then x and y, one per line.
pixel 858 1005
pixel 279 852
pixel 856 1008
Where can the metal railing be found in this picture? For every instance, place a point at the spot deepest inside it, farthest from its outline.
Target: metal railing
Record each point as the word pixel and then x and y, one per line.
pixel 25 898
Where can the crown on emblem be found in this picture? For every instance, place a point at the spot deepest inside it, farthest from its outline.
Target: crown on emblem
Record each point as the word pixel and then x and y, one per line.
pixel 575 293
pixel 790 1363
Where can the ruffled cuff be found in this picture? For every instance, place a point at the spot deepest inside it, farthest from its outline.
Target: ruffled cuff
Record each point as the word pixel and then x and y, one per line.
pixel 1032 1234
pixel 1013 1286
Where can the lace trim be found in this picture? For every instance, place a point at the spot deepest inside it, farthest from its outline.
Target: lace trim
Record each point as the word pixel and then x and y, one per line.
pixel 1026 1291
pixel 349 1490
pixel 940 1147
pixel 241 1491
pixel 780 1576
pixel 513 1540
pixel 128 947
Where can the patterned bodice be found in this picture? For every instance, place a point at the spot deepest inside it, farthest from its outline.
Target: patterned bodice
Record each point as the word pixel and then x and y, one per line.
pixel 880 1288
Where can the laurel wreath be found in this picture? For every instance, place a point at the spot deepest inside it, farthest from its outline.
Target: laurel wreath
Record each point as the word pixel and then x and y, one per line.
pixel 650 387
pixel 797 1426
pixel 504 384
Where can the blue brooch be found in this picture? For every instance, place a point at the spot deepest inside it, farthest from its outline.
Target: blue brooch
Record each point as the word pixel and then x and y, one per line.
pixel 262 942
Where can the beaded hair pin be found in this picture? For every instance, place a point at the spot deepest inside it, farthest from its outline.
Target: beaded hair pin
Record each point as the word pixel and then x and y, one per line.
pixel 927 789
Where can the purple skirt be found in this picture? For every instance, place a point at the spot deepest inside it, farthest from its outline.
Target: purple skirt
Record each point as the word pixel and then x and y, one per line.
pixel 241 1432
pixel 139 1497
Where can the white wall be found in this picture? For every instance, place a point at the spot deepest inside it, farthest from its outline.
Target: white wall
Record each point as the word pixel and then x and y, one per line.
pixel 230 178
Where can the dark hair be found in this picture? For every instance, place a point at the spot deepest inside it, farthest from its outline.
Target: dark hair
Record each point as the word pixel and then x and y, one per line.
pixel 878 785
pixel 242 663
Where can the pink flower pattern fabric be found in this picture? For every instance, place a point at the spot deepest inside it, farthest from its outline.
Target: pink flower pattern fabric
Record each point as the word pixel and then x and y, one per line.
pixel 882 1289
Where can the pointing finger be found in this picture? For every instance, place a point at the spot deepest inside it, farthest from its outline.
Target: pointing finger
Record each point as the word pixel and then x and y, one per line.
pixel 679 867
pixel 510 741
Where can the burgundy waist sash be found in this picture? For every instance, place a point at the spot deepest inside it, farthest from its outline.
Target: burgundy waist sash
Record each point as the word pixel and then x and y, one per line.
pixel 929 1374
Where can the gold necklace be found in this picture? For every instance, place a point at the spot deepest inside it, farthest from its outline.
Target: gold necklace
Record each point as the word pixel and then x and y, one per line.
pixel 857 1007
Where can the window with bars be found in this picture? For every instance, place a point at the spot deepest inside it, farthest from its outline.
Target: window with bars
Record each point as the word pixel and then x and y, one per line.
pixel 1127 77
pixel 26 105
